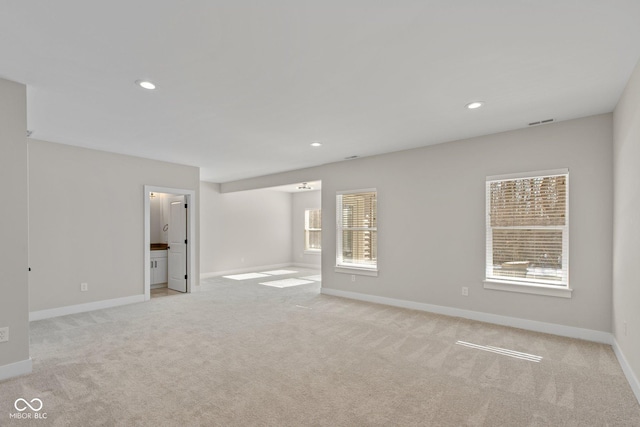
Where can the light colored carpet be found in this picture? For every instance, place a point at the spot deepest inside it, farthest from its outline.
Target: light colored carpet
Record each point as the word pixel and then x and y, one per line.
pixel 241 354
pixel 315 278
pixel 286 283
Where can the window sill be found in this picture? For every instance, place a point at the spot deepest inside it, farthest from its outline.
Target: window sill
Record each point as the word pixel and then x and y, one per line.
pixel 312 251
pixel 526 288
pixel 357 270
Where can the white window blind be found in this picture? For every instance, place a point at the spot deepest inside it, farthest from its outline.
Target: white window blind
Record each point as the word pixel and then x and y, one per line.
pixel 313 229
pixel 528 229
pixel 357 229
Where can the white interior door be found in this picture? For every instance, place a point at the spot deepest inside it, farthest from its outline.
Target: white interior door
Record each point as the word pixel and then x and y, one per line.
pixel 177 251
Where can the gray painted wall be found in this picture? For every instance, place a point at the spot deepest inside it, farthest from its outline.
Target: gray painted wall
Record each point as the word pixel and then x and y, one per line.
pixel 300 202
pixel 243 230
pixel 87 222
pixel 14 303
pixel 626 238
pixel 431 219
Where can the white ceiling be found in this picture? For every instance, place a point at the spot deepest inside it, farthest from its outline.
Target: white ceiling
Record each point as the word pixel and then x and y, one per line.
pixel 245 86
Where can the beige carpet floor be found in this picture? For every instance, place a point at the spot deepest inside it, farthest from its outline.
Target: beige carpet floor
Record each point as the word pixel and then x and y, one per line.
pixel 242 354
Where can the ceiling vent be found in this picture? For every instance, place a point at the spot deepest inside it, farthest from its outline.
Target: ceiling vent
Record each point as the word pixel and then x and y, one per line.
pixel 351 157
pixel 541 122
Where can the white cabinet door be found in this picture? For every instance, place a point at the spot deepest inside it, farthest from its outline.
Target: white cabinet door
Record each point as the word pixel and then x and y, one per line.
pixel 160 270
pixel 154 280
pixel 158 267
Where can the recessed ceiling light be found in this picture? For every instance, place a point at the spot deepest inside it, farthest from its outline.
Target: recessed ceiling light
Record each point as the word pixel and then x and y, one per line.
pixel 316 144
pixel 475 104
pixel 145 84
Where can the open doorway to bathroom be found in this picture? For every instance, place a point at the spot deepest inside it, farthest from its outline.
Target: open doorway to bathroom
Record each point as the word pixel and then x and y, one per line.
pixel 169 241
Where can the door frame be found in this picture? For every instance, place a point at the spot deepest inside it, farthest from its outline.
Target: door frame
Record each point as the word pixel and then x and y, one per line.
pixel 190 200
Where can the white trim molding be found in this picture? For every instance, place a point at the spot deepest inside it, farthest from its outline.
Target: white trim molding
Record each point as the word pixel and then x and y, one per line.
pixel 360 271
pixel 626 368
pixel 531 325
pixel 528 288
pixel 81 308
pixel 16 369
pixel 534 174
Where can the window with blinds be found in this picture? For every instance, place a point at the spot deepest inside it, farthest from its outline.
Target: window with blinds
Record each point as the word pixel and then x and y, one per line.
pixel 312 230
pixel 357 229
pixel 528 229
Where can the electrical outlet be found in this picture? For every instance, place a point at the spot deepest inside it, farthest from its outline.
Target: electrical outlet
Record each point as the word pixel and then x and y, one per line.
pixel 465 291
pixel 4 334
pixel 84 287
pixel 353 277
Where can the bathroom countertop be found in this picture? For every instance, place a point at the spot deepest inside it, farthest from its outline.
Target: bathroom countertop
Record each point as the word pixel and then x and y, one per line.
pixel 159 246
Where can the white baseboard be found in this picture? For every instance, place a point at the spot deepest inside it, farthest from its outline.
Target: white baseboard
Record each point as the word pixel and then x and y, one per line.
pixel 243 270
pixel 311 266
pixel 81 308
pixel 531 325
pixel 626 368
pixel 16 369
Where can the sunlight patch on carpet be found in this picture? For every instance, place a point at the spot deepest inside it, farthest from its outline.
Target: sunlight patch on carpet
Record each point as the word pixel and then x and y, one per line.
pixel 278 272
pixel 286 283
pixel 246 276
pixel 502 351
pixel 316 278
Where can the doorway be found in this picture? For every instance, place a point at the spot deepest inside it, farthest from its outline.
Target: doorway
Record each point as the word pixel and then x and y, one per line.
pixel 177 240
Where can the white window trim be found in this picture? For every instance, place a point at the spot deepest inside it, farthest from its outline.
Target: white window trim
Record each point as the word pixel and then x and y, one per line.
pixel 359 270
pixel 528 288
pixel 522 286
pixel 346 268
pixel 305 250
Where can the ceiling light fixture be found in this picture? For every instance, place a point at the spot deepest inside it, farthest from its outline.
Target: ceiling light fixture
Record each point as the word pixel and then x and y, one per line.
pixel 475 104
pixel 304 186
pixel 316 144
pixel 145 84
